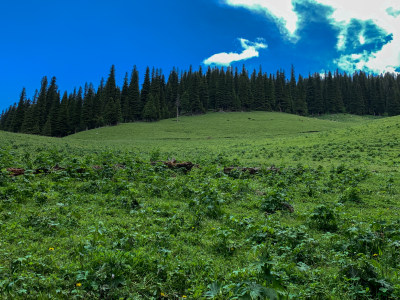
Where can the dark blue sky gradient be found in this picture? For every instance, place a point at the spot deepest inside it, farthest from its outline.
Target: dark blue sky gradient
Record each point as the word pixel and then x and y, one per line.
pixel 78 41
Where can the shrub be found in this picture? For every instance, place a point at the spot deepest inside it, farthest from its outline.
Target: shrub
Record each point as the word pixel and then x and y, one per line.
pixel 323 218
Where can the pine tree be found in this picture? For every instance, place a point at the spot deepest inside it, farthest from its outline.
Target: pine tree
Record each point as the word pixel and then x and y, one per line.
pixel 212 77
pixel 339 107
pixel 196 106
pixel 77 113
pixel 20 112
pixel 203 93
pixel 314 95
pixel 144 94
pixel 30 124
pixel 110 99
pixel 98 106
pixel 259 92
pixel 393 101
pixel 53 98
pixel 330 103
pixel 244 90
pixel 282 93
pixel 88 118
pixel 126 117
pixel 63 118
pixel 299 104
pixel 172 92
pixel 185 102
pixel 150 111
pixel 220 91
pixel 111 114
pixel 41 103
pixel 135 106
pixel 293 86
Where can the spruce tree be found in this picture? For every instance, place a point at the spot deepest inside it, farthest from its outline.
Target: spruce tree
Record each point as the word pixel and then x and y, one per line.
pixel 393 101
pixel 259 92
pixel 171 96
pixel 53 98
pixel 196 106
pixel 135 106
pixel 144 94
pixel 220 91
pixel 299 104
pixel 88 118
pixel 110 99
pixel 150 111
pixel 41 103
pixel 31 118
pixel 126 117
pixel 20 112
pixel 203 93
pixel 244 90
pixel 212 77
pixel 63 118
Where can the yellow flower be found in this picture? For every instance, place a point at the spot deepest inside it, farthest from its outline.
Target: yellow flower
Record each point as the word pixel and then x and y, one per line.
pixel 51 249
pixel 232 249
pixel 162 294
pixel 213 228
pixel 375 255
pixel 79 284
pixel 184 297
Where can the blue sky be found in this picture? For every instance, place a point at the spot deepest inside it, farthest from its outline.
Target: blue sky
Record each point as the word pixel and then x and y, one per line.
pixel 78 41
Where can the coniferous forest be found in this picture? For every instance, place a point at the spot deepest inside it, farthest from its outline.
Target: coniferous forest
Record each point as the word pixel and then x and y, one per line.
pixel 192 92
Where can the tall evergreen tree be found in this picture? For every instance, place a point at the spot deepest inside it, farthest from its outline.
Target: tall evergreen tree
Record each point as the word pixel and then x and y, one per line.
pixel 259 92
pixel 20 112
pixel 63 116
pixel 135 106
pixel 144 94
pixel 41 103
pixel 88 118
pixel 30 124
pixel 125 111
pixel 299 103
pixel 244 90
pixel 53 98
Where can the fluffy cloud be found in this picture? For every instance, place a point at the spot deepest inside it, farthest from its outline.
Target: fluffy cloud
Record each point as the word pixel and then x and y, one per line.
pixel 369 32
pixel 282 11
pixel 225 59
pixel 386 16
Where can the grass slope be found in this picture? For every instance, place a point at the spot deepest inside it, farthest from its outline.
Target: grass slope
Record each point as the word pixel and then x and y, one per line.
pixel 111 225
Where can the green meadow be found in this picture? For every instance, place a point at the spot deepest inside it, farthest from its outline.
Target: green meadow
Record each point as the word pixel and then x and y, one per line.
pixel 100 215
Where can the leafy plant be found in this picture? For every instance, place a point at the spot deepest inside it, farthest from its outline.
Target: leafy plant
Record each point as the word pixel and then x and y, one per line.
pixel 323 218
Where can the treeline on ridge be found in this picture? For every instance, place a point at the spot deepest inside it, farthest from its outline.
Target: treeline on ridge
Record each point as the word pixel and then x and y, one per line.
pixel 195 92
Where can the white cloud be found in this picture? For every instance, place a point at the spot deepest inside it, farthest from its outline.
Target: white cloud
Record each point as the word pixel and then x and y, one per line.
pixel 225 59
pixel 282 11
pixel 385 14
pixel 361 38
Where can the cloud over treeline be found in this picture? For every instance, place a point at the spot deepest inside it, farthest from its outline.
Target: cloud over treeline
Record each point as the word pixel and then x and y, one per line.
pixel 250 51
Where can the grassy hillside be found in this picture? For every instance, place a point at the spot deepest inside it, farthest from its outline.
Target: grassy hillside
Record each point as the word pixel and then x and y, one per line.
pixel 92 218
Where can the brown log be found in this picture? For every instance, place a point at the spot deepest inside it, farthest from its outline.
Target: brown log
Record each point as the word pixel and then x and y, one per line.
pixel 16 171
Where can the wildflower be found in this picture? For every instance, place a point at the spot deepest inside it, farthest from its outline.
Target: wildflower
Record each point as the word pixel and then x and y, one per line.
pixel 232 249
pixel 192 227
pixel 162 294
pixel 213 228
pixel 184 297
pixel 79 284
pixel 51 249
pixel 375 255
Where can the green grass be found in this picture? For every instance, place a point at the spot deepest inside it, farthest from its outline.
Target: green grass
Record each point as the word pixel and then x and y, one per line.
pixel 143 231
